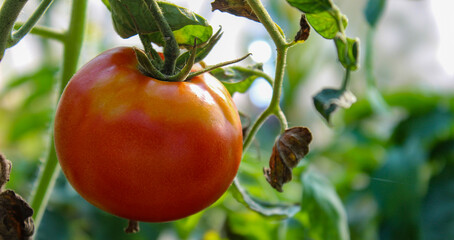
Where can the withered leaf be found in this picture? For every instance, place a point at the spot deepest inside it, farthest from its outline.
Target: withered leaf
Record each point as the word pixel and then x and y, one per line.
pixel 15 217
pixel 305 29
pixel 288 150
pixel 15 214
pixel 238 8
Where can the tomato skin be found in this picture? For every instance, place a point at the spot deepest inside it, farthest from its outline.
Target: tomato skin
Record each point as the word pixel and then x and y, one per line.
pixel 145 149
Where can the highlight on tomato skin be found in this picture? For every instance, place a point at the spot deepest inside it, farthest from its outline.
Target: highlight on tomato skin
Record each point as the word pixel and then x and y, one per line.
pixel 146 149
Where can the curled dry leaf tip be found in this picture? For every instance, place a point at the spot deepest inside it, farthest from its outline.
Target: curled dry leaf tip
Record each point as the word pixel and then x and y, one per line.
pixel 289 149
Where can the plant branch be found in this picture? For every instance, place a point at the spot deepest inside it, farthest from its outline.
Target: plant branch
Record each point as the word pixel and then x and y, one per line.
pixel 255 128
pixel 72 48
pixel 374 96
pixel 259 73
pixel 44 32
pixel 171 49
pixel 8 14
pixel 219 65
pixel 268 23
pixel 28 25
pixel 282 119
pixel 281 48
pixel 346 80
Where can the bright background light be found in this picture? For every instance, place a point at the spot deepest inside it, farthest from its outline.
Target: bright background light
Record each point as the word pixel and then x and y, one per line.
pixel 444 18
pixel 260 93
pixel 261 51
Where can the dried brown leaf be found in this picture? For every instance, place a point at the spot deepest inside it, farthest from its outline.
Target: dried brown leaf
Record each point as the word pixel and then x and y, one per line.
pixel 15 214
pixel 305 29
pixel 15 217
pixel 288 150
pixel 236 7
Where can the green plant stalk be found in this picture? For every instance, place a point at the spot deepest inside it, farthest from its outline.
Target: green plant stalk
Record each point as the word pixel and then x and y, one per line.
pixel 8 14
pixel 72 47
pixel 281 48
pixel 374 96
pixel 171 49
pixel 261 74
pixel 346 80
pixel 44 32
pixel 28 25
pixel 369 65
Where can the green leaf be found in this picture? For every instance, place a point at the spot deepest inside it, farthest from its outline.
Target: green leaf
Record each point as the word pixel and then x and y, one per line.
pixel 312 6
pixel 133 17
pixel 186 226
pixel 202 50
pixel 438 207
pixel 237 79
pixel 328 100
pixel 248 225
pixel 401 175
pixel 107 4
pixel 326 23
pixel 347 51
pixel 29 121
pixel 326 214
pixel 373 11
pixel 270 210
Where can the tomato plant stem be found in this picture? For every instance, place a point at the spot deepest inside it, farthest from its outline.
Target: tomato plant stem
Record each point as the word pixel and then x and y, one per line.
pixel 171 49
pixel 374 96
pixel 72 47
pixel 259 73
pixel 28 25
pixel 8 14
pixel 270 26
pixel 346 79
pixel 281 48
pixel 44 32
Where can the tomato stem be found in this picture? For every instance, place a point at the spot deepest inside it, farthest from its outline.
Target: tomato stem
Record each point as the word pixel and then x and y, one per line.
pixel 219 65
pixel 72 48
pixel 28 25
pixel 171 48
pixel 8 14
pixel 183 74
pixel 153 56
pixel 375 98
pixel 44 32
pixel 281 48
pixel 146 66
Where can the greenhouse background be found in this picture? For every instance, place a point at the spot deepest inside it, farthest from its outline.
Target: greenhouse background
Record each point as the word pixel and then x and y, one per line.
pixel 390 156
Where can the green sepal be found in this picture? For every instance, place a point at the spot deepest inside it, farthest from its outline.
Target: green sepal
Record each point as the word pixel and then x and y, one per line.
pixel 146 66
pixel 202 50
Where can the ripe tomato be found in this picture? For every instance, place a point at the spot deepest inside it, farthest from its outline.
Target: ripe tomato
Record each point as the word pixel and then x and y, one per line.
pixel 145 149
